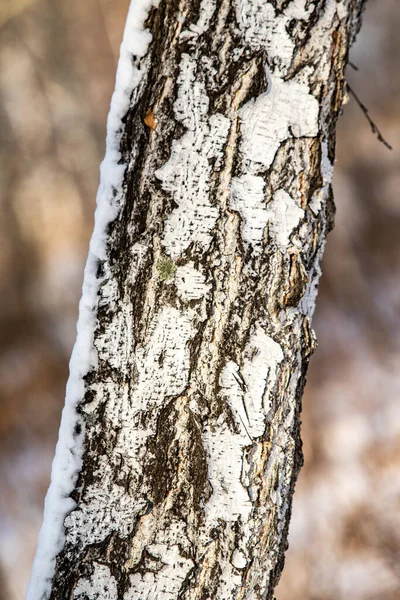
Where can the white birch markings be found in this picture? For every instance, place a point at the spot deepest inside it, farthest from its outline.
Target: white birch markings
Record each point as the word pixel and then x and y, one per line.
pixel 247 392
pixel 285 216
pixel 320 195
pixel 190 282
pixel 100 585
pixel 288 110
pixel 249 200
pixel 263 27
pixel 167 577
pixel 247 389
pixel 186 174
pixel 189 385
pixel 163 365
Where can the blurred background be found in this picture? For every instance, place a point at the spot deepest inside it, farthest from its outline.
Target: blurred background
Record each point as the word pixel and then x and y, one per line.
pixel 57 67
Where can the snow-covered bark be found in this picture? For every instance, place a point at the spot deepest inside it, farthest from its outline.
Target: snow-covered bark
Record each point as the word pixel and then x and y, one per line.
pixel 179 446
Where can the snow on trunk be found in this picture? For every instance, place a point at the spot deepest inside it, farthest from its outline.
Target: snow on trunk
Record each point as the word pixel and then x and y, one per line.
pixel 179 446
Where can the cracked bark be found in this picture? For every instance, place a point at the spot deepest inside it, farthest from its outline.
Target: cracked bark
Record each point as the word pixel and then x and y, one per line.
pixel 187 434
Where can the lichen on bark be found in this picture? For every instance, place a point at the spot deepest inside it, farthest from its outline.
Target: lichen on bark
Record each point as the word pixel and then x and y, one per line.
pixel 190 414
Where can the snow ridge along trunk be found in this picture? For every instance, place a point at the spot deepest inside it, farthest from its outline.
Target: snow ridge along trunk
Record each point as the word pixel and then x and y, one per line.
pixel 180 439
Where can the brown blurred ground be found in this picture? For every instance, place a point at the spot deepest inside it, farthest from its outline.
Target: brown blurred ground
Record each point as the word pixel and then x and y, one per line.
pixel 57 69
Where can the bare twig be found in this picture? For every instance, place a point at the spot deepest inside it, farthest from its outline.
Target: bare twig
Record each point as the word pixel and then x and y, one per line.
pixel 364 109
pixel 353 66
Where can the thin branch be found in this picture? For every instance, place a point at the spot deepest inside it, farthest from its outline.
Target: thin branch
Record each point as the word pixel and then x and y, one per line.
pixel 364 109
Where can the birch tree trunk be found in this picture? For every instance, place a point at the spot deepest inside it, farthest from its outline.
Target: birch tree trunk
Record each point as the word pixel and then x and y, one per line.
pixel 180 440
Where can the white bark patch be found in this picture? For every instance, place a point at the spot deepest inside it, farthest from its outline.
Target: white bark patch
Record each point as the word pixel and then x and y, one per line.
pixel 288 110
pixel 320 195
pixel 239 559
pixel 207 9
pixel 307 303
pixel 106 508
pixel 262 27
pixel 166 577
pixel 247 389
pixel 163 362
pixel 190 283
pixel 163 368
pixel 342 10
pixel 262 357
pixel 247 198
pixel 186 174
pixel 224 449
pixel 101 585
pixel 119 336
pixel 285 216
pixel 247 393
pixel 229 580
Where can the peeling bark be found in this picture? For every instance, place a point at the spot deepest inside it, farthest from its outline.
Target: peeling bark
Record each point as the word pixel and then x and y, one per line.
pixel 180 443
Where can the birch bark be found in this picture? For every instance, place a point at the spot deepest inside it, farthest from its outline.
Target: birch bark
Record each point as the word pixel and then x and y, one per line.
pixel 180 440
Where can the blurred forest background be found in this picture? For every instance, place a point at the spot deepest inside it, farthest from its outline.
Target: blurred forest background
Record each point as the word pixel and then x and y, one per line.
pixel 57 67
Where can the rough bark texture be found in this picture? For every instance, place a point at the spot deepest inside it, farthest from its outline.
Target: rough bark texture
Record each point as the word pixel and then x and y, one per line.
pixel 189 427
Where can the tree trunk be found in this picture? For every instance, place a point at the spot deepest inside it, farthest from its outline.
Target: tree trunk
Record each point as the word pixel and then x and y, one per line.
pixel 180 439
